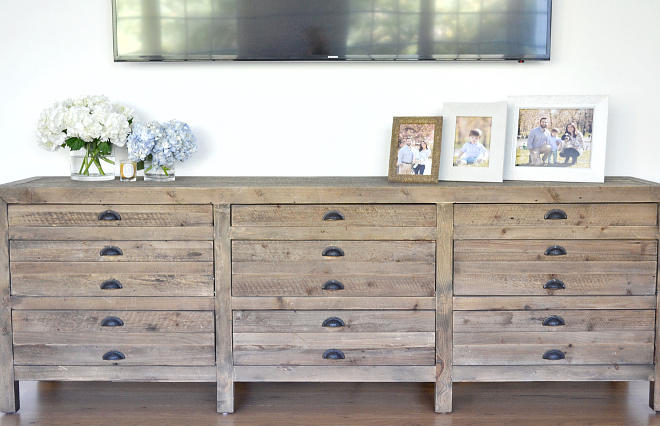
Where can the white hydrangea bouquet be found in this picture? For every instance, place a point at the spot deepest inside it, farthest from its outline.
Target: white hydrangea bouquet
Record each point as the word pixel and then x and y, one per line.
pixel 91 123
pixel 155 147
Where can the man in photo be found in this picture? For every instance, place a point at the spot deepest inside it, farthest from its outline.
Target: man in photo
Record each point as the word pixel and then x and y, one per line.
pixel 538 137
pixel 405 158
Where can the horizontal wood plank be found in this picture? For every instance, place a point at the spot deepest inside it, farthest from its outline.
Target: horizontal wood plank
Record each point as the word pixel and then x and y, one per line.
pixel 123 373
pixel 329 268
pixel 525 303
pixel 556 266
pixel 556 338
pixel 114 233
pixel 566 232
pixel 346 303
pixel 524 373
pixel 353 321
pixel 114 303
pixel 382 215
pixel 347 233
pixel 111 268
pixel 332 373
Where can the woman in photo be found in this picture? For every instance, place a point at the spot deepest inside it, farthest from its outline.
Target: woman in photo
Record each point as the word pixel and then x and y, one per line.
pixel 423 156
pixel 572 145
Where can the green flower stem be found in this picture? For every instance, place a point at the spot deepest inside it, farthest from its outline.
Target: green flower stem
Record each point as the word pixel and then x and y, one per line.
pixel 93 155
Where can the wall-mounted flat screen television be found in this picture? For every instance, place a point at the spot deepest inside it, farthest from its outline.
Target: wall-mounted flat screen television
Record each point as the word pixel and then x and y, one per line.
pixel 331 30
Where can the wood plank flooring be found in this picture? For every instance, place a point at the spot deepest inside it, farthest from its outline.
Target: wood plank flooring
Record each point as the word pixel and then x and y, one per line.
pixel 568 403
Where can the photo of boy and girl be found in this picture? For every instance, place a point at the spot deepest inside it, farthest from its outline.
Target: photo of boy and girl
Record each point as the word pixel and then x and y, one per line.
pixel 472 141
pixel 415 149
pixel 544 135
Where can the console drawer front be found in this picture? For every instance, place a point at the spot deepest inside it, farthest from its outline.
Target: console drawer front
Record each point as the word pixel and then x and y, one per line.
pixel 342 215
pixel 332 322
pixel 333 257
pixel 112 322
pixel 111 251
pixel 57 279
pixel 110 222
pixel 555 221
pixel 549 321
pixel 329 349
pixel 555 267
pixel 157 349
pixel 557 348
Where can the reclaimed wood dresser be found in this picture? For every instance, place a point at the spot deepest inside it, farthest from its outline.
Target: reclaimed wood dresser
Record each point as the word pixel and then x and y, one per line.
pixel 327 279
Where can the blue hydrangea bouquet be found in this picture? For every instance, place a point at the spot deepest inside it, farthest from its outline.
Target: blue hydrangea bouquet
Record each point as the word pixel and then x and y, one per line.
pixel 155 147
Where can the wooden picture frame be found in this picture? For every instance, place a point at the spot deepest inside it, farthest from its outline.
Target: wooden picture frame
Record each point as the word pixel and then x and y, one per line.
pixel 418 134
pixel 580 158
pixel 487 122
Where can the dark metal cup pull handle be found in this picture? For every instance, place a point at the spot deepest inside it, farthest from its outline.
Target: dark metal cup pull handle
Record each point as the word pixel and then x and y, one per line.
pixel 112 322
pixel 333 354
pixel 113 356
pixel 554 284
pixel 109 215
pixel 555 251
pixel 111 251
pixel 333 215
pixel 333 322
pixel 554 321
pixel 554 355
pixel 333 252
pixel 333 285
pixel 111 285
pixel 555 214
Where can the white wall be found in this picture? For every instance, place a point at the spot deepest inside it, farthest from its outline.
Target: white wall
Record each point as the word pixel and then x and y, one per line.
pixel 317 119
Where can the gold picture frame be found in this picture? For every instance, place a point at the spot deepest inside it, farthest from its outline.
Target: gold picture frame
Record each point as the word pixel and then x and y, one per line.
pixel 415 135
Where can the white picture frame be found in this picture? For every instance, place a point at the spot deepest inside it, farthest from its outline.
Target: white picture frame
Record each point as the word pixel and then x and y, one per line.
pixel 460 119
pixel 589 113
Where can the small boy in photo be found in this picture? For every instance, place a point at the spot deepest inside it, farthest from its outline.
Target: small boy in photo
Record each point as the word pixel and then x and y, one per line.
pixel 474 151
pixel 555 144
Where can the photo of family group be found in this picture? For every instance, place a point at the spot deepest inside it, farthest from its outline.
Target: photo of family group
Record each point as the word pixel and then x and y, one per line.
pixel 554 138
pixel 472 141
pixel 415 149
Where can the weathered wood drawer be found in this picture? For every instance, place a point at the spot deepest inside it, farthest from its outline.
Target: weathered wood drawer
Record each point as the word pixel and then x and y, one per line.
pixel 110 222
pixel 333 321
pixel 559 267
pixel 342 215
pixel 186 279
pixel 558 348
pixel 112 322
pixel 111 251
pixel 358 268
pixel 396 348
pixel 550 321
pixel 556 221
pixel 54 348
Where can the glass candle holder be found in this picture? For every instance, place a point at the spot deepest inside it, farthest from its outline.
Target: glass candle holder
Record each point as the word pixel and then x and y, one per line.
pixel 127 171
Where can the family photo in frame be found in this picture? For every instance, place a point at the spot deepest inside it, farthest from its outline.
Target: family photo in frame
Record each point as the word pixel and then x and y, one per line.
pixel 556 138
pixel 415 149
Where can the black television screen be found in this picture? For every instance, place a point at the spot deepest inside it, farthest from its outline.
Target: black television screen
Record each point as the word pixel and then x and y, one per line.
pixel 331 30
